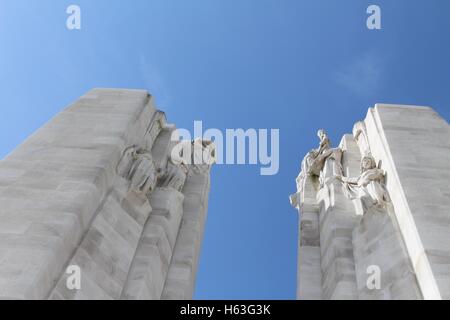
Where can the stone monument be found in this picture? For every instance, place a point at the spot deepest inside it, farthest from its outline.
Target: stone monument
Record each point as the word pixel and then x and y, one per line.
pixel 375 211
pixel 98 190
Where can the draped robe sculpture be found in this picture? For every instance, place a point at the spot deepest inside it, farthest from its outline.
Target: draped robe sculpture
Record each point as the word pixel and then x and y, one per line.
pixel 138 167
pixel 369 187
pixel 199 154
pixel 323 162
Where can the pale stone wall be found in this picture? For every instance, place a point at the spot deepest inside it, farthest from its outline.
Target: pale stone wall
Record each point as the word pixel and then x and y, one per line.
pixel 337 221
pixel 414 143
pixel 180 281
pixel 407 238
pixel 63 203
pixel 309 262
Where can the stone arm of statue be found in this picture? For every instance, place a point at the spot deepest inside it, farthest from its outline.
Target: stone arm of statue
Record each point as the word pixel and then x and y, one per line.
pixel 324 144
pixel 353 181
pixel 371 175
pixel 365 178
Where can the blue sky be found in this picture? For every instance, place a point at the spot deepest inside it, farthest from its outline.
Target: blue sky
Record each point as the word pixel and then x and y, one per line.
pixel 288 64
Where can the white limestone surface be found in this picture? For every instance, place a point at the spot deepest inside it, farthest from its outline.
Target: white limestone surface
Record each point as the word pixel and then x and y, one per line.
pixel 63 203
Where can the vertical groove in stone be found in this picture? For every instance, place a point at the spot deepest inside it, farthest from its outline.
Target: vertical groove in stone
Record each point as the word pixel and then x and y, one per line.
pixel 180 280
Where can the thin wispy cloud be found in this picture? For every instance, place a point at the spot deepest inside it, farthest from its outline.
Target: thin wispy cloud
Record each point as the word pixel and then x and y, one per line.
pixel 154 82
pixel 362 77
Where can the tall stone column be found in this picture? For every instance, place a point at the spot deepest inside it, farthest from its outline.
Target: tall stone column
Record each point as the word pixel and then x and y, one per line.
pixel 180 280
pixel 95 189
pixel 413 146
pixel 325 261
pixel 309 275
pixel 382 226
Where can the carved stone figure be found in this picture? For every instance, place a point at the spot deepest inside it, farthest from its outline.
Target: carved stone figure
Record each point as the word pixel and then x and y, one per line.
pixel 360 136
pixel 177 166
pixel 203 155
pixel 324 162
pixel 305 170
pixel 138 167
pixel 369 187
pixel 197 155
pixel 175 175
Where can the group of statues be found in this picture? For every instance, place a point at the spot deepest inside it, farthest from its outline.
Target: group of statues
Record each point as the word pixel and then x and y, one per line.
pixel 139 168
pixel 325 164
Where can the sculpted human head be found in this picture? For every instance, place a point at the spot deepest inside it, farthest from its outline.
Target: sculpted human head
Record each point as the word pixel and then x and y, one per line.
pixel 321 134
pixel 367 163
